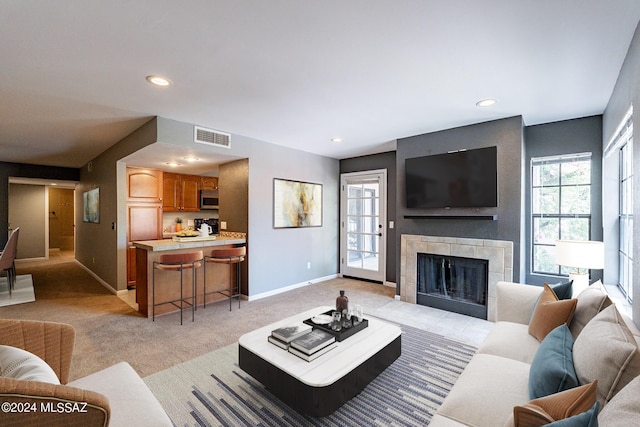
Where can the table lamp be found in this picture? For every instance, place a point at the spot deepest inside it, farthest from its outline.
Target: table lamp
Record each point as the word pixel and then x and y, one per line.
pixel 580 254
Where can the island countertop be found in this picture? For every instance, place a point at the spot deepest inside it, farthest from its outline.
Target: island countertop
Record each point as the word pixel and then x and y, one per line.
pixel 171 245
pixel 165 286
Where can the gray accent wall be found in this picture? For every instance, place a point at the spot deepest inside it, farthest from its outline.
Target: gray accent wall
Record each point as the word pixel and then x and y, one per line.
pixel 373 162
pixel 626 94
pixel 233 186
pixel 565 137
pixel 507 135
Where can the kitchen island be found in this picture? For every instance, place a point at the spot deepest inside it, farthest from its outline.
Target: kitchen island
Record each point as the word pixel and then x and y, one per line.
pixel 167 283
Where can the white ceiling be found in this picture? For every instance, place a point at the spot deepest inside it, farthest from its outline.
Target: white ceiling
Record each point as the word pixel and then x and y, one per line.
pixel 297 73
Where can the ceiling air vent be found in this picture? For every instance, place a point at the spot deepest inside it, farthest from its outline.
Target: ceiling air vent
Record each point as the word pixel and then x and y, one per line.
pixel 211 137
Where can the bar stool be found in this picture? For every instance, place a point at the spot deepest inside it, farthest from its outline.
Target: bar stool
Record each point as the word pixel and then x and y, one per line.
pixel 178 262
pixel 228 256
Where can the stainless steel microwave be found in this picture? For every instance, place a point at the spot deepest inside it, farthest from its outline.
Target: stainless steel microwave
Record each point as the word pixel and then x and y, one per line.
pixel 209 199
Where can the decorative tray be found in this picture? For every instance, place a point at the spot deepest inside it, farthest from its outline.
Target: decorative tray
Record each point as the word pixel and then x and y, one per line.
pixel 342 334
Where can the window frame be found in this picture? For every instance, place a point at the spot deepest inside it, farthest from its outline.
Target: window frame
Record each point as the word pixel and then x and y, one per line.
pixel 536 216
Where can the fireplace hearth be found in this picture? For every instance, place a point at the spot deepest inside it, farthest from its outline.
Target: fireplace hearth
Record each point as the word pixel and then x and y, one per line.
pixel 453 283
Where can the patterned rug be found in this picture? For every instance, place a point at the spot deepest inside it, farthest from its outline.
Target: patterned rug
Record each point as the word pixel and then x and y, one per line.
pixel 212 390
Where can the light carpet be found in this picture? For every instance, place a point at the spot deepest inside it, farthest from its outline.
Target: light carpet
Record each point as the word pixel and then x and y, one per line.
pixel 212 390
pixel 22 292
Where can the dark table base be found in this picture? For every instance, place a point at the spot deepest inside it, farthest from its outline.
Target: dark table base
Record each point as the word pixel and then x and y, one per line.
pixel 318 401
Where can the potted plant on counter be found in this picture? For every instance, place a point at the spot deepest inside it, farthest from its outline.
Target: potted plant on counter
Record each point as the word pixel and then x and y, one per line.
pixel 178 224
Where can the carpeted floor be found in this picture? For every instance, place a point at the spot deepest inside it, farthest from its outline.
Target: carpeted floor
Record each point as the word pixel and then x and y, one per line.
pixel 212 390
pixel 109 331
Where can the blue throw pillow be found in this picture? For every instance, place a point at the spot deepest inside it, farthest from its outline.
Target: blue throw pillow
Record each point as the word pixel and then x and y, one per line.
pixel 552 368
pixel 585 419
pixel 563 290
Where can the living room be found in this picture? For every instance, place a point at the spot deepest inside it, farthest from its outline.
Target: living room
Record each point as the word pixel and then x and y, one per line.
pixel 272 272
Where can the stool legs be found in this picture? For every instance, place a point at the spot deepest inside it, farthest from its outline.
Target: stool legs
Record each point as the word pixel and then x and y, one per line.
pixel 182 301
pixel 233 291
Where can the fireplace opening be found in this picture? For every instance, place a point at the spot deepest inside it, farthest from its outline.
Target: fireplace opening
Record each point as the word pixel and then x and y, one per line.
pixel 453 283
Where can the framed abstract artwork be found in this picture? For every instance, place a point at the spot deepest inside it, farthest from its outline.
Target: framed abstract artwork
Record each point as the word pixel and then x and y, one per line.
pixel 296 204
pixel 91 206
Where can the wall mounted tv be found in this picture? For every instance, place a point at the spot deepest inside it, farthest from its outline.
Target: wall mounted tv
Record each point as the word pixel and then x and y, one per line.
pixel 461 179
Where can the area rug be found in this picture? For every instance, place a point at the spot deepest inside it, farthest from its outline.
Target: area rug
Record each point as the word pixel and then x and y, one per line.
pixel 22 292
pixel 212 390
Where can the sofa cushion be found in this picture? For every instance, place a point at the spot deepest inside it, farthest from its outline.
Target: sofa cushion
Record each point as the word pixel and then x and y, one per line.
pixel 19 364
pixel 591 301
pixel 511 340
pixel 552 368
pixel 607 351
pixel 132 403
pixel 550 313
pixel 624 409
pixel 486 392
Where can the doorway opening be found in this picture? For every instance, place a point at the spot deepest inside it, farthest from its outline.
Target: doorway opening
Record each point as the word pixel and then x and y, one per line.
pixel 61 223
pixel 363 237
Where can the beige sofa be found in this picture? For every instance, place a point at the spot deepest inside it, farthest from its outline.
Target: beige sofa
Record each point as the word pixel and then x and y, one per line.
pixel 34 390
pixel 497 378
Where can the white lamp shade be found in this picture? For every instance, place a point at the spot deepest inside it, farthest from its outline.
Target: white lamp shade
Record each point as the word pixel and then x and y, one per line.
pixel 580 254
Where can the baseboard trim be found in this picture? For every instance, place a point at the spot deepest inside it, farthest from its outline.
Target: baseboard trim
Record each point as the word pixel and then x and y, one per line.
pixel 290 287
pixel 102 282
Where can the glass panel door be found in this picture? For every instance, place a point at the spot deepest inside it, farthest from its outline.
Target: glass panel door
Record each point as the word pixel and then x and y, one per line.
pixel 363 237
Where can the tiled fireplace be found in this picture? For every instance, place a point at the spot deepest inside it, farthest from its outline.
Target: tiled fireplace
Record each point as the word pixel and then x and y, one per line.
pixel 498 253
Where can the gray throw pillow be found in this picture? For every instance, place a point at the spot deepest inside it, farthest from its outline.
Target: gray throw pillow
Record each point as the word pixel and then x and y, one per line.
pixel 624 409
pixel 606 351
pixel 591 301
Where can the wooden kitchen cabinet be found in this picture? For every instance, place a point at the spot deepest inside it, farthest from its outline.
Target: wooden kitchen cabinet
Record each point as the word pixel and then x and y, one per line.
pixel 144 222
pixel 131 265
pixel 144 212
pixel 180 193
pixel 144 185
pixel 209 183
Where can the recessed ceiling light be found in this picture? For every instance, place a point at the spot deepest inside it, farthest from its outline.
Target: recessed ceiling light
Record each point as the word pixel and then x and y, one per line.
pixel 158 81
pixel 336 139
pixel 486 102
pixel 191 159
pixel 173 164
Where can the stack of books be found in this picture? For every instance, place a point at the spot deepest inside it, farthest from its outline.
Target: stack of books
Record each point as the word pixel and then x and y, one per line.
pixel 312 344
pixel 282 337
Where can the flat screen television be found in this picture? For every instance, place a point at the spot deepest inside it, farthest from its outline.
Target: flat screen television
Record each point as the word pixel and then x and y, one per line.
pixel 461 179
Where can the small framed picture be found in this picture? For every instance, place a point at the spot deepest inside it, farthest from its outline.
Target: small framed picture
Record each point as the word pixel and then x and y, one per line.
pixel 91 206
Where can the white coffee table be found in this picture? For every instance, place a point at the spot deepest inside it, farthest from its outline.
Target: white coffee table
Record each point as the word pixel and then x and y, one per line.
pixel 319 387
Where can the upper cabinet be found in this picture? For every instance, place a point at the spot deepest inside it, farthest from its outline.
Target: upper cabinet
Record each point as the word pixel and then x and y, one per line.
pixel 209 182
pixel 144 185
pixel 181 192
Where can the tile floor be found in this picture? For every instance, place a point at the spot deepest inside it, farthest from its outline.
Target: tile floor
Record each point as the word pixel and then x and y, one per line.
pixel 452 325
